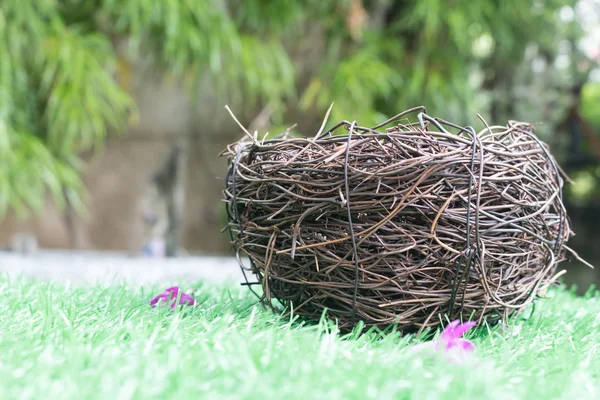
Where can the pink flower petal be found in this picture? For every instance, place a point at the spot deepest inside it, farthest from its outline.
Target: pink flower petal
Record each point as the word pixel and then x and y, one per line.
pixel 455 330
pixel 173 290
pixel 462 344
pixel 451 345
pixel 448 332
pixel 171 294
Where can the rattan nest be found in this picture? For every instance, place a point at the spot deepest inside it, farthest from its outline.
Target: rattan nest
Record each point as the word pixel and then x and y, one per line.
pixel 409 222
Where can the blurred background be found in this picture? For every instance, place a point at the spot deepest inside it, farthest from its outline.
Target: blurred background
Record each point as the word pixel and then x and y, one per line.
pixel 112 112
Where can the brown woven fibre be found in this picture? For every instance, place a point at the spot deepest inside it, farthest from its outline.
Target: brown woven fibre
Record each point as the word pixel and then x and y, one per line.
pixel 402 224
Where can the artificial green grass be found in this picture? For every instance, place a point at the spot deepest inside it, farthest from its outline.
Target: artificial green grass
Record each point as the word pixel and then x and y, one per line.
pixel 60 342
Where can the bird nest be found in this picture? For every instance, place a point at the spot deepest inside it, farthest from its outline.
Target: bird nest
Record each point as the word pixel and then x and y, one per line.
pixel 401 223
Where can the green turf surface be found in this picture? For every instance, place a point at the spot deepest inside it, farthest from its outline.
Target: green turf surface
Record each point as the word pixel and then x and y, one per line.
pixel 98 342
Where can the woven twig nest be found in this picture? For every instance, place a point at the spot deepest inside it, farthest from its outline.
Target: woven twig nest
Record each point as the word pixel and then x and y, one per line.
pixel 399 225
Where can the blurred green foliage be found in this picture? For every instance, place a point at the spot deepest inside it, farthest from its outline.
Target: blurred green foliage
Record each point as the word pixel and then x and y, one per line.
pixel 59 95
pixel 590 103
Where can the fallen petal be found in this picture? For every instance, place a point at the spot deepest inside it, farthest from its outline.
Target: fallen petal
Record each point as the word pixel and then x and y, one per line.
pixel 455 330
pixel 448 332
pixel 171 294
pixel 462 344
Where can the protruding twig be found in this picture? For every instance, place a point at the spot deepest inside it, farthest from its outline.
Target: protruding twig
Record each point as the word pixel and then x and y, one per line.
pixel 324 122
pixel 239 124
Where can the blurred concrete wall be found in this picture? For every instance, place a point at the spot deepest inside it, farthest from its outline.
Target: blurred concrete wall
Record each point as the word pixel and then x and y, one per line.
pixel 117 178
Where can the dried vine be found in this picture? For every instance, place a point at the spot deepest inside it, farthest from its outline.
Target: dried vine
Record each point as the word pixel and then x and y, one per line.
pixel 399 225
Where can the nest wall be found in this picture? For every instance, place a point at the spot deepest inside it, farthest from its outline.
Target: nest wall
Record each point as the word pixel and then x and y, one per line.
pixel 405 222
